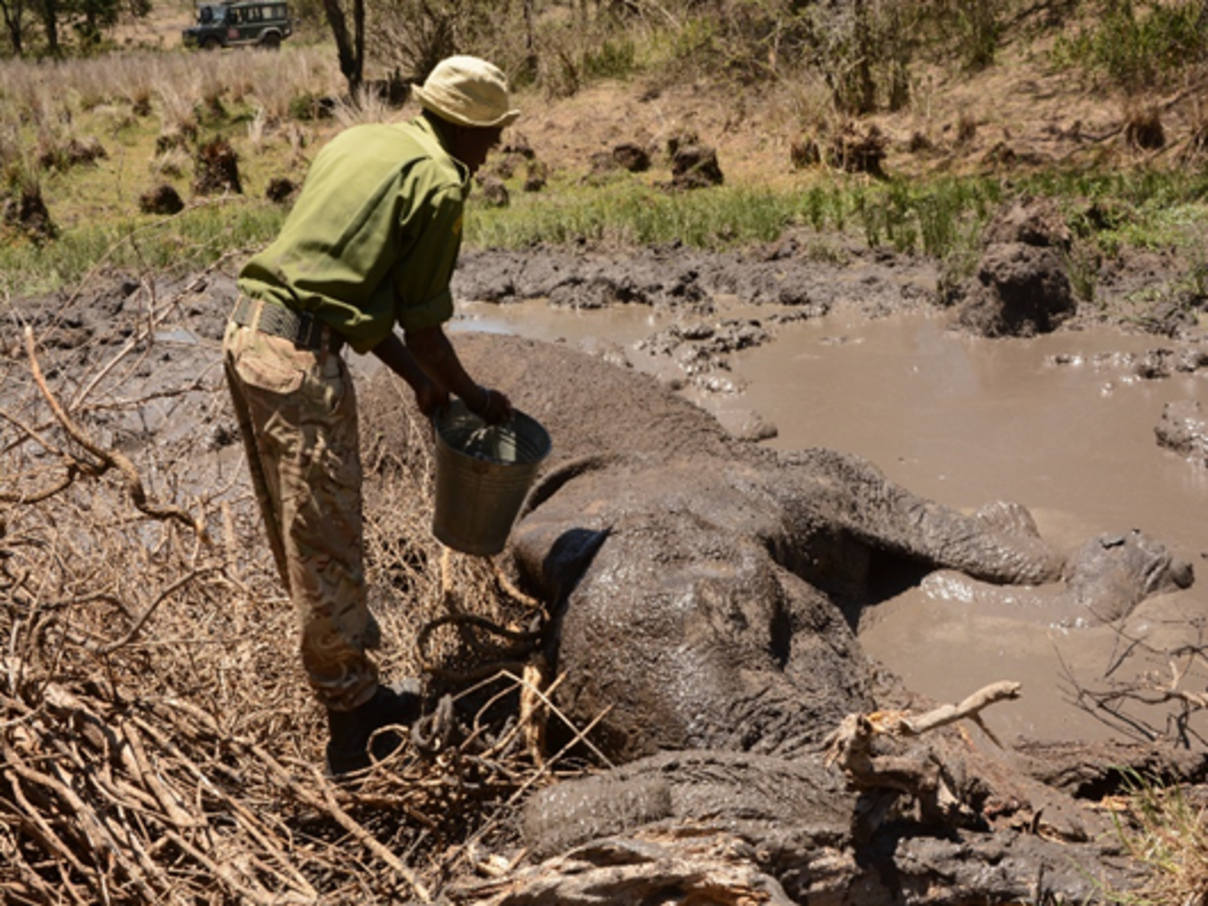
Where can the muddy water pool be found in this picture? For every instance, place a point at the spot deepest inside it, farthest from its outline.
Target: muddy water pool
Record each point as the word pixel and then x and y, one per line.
pixel 1060 424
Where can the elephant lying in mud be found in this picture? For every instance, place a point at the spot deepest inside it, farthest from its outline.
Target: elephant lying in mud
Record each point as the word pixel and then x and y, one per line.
pixel 705 588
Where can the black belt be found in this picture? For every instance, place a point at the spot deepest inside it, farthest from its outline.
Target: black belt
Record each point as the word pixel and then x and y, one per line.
pixel 301 327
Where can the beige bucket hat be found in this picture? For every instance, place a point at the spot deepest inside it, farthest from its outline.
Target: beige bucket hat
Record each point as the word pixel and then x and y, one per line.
pixel 467 91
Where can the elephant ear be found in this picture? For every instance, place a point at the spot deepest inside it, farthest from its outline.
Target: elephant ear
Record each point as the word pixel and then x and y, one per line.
pixel 553 542
pixel 553 557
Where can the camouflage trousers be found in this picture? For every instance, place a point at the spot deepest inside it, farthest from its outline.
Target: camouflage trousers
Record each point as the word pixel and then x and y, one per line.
pixel 297 413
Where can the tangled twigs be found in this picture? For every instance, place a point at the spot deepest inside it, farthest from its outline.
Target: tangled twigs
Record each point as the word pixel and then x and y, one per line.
pixel 94 832
pixel 489 659
pixel 1147 704
pixel 157 741
pixel 321 796
pixel 113 808
pixel 134 630
pixel 107 458
pixel 62 484
pixel 525 643
pixel 323 799
pixel 478 781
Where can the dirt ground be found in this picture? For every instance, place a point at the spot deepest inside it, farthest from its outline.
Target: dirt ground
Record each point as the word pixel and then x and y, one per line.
pixel 1017 116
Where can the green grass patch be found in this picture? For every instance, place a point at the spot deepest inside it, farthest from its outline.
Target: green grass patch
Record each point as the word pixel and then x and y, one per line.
pixel 176 245
pixel 1151 208
pixel 927 217
pixel 934 218
pixel 625 213
pixel 942 218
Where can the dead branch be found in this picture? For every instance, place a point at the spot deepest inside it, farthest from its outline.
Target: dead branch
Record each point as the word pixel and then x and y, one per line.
pixel 132 634
pixel 174 759
pixel 852 745
pixel 970 707
pixel 1142 703
pixel 325 801
pixel 109 458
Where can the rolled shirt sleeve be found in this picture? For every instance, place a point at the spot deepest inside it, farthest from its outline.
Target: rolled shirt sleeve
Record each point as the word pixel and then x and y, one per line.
pixel 421 279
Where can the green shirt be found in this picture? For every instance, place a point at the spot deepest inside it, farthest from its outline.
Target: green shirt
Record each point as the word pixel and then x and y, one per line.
pixel 373 237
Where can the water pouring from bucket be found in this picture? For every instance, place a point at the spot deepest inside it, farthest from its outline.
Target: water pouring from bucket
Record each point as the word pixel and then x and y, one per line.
pixel 483 474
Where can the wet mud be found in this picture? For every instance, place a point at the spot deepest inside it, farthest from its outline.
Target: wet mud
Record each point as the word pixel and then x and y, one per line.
pixel 1067 423
pixel 797 347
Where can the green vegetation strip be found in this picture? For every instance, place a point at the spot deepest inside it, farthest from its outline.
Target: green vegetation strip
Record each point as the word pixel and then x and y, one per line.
pixel 191 240
pixel 942 218
pixel 934 217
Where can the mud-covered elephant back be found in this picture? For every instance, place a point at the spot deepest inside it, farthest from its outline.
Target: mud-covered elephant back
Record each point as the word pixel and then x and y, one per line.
pixel 589 406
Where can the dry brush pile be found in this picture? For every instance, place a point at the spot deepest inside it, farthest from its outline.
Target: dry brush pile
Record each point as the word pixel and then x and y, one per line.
pixel 157 743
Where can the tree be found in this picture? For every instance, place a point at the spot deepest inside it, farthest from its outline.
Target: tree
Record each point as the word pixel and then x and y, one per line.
pixel 14 23
pixel 91 17
pixel 411 36
pixel 350 48
pixel 48 12
pixel 87 20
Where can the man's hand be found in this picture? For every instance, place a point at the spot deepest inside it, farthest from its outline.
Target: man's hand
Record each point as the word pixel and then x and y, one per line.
pixel 431 398
pixel 437 357
pixel 491 406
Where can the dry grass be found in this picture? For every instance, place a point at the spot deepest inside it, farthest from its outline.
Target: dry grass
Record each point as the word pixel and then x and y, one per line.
pixel 1168 834
pixel 158 741
pixel 137 102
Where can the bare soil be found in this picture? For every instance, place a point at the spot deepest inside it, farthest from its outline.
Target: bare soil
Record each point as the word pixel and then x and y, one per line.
pixel 1021 115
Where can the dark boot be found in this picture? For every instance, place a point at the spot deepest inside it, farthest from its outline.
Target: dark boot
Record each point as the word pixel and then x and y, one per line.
pixel 349 750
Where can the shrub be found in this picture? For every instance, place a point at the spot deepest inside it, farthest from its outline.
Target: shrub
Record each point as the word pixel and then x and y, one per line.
pixel 162 199
pixel 216 168
pixel 978 30
pixel 1143 127
pixel 23 210
pixel 1139 45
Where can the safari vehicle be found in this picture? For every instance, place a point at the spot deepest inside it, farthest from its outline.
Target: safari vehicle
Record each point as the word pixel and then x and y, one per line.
pixel 263 23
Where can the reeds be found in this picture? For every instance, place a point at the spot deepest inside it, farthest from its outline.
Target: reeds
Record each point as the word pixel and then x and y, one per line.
pixel 932 218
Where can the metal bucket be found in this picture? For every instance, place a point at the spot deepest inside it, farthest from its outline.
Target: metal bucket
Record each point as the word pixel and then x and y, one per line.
pixel 483 474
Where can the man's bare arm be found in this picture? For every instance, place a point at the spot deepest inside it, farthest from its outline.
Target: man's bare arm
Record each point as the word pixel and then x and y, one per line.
pixel 438 359
pixel 429 395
